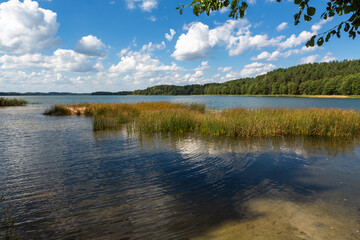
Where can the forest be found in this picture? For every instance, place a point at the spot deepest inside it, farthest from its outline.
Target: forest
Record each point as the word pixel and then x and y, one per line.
pixel 333 78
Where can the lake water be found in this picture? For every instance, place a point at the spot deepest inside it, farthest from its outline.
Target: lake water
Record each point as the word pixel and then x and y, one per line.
pixel 64 181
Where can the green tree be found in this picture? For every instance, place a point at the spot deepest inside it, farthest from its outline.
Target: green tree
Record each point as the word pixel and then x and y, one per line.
pixel 306 12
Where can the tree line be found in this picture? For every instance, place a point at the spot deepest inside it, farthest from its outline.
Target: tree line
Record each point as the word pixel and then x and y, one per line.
pixel 333 78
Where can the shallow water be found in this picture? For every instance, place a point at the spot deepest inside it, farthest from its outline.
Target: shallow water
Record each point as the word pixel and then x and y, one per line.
pixel 63 181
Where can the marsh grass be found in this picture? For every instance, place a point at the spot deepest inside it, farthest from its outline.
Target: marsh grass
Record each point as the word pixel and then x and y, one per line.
pixel 58 110
pixel 238 122
pixel 8 102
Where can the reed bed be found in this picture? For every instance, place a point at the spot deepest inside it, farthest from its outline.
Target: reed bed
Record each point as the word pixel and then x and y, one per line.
pixel 8 102
pixel 238 122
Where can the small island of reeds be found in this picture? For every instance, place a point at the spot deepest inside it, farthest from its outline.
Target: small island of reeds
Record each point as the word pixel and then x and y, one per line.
pixel 8 102
pixel 194 118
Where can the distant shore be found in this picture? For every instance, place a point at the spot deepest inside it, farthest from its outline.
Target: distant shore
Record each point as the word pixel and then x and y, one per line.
pixel 221 95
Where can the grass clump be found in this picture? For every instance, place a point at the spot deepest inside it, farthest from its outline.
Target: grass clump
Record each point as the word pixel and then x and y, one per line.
pixel 238 122
pixel 58 110
pixel 8 102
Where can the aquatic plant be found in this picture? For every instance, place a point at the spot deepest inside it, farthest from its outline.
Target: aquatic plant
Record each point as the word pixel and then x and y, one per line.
pixel 58 110
pixel 7 102
pixel 237 122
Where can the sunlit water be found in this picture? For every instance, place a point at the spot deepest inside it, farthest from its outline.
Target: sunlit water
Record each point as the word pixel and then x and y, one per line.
pixel 64 181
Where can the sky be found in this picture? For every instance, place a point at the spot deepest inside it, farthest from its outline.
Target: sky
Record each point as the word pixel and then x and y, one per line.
pixel 118 45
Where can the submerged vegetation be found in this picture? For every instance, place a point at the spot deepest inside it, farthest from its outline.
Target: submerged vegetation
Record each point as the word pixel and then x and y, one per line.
pixel 7 102
pixel 238 122
pixel 6 222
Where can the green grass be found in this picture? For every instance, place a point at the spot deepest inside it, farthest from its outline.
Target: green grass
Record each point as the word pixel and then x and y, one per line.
pixel 238 122
pixel 8 102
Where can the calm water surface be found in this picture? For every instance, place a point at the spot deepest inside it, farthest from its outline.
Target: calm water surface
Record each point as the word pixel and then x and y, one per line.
pixel 212 102
pixel 64 181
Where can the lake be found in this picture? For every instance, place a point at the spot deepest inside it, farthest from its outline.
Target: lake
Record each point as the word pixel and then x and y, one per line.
pixel 62 180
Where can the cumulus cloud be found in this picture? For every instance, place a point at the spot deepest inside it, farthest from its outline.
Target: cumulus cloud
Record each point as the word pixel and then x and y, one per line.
pixel 304 36
pixel 256 68
pixel 150 47
pixel 169 36
pixel 275 55
pixel 282 26
pixel 195 44
pixel 235 35
pixel 309 59
pixel 90 46
pixel 145 5
pixel 26 28
pixel 140 63
pixel 328 58
pixel 224 69
pixel 62 60
pixel 140 68
pixel 294 40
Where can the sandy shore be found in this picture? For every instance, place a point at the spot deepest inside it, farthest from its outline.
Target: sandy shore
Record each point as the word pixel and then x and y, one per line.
pixel 282 220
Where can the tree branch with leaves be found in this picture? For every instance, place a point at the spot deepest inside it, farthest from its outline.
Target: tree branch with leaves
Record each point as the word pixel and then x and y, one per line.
pixel 238 8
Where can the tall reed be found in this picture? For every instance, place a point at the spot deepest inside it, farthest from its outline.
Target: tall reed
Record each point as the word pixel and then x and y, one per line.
pixel 7 102
pixel 238 122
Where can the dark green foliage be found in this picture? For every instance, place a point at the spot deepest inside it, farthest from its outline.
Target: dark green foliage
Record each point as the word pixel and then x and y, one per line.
pixel 5 102
pixel 334 78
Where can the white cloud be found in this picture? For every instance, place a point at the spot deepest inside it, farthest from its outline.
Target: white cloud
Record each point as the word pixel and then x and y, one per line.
pixel 328 58
pixel 150 47
pixel 169 36
pixel 316 27
pixel 255 69
pixel 224 10
pixel 224 69
pixel 62 60
pixel 152 18
pixel 303 37
pixel 309 59
pixel 90 46
pixel 233 34
pixel 195 44
pixel 268 56
pixel 282 26
pixel 294 40
pixel 26 28
pixel 140 64
pixel 145 5
pixel 274 56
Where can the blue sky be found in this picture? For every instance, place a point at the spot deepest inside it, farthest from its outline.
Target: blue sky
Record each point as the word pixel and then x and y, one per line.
pixel 116 45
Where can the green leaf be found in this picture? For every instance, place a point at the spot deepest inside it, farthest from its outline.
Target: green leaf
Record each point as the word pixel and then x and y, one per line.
pixel 347 9
pixel 196 10
pixel 307 18
pixel 347 27
pixel 320 41
pixel 302 5
pixel 297 2
pixel 311 11
pixel 311 42
pixel 328 36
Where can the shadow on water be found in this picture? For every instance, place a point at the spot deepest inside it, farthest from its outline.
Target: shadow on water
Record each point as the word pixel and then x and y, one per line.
pixel 113 185
pixel 215 180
